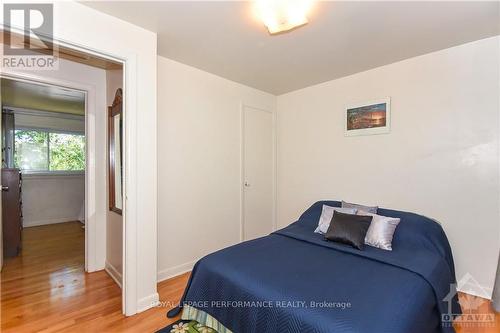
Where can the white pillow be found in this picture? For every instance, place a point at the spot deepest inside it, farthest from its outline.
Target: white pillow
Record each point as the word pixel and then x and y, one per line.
pixel 381 230
pixel 327 215
pixel 369 209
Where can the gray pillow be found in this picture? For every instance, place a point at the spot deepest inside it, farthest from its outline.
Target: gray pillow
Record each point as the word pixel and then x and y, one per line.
pixel 327 215
pixel 369 209
pixel 349 229
pixel 381 230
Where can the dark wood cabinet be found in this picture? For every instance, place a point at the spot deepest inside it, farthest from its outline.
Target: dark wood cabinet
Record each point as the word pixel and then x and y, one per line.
pixel 12 216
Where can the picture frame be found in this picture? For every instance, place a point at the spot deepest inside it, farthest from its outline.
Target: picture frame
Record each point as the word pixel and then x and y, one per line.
pixel 368 118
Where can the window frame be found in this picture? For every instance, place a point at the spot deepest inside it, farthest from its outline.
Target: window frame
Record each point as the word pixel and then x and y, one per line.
pixel 48 131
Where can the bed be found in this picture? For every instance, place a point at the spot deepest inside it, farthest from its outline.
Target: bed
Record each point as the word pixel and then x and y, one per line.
pixel 295 281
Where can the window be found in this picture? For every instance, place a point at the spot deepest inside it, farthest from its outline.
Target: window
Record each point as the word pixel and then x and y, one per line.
pixel 66 152
pixel 30 150
pixel 40 150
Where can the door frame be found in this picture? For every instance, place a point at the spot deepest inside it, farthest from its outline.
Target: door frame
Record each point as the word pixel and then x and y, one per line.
pixel 130 304
pixel 244 105
pixel 129 274
pixel 135 281
pixel 91 244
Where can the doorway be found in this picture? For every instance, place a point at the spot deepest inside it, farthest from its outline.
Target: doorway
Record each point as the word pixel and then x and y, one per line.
pixel 43 188
pixel 43 160
pixel 258 169
pixel 71 271
pixel 102 40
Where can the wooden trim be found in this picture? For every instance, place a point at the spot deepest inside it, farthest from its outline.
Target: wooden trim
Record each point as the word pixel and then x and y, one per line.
pixel 113 110
pixel 60 51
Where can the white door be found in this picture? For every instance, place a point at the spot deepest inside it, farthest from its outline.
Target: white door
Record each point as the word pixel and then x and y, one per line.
pixel 258 173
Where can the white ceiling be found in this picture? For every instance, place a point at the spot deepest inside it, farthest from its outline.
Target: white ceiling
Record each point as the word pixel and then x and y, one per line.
pixel 342 38
pixel 32 96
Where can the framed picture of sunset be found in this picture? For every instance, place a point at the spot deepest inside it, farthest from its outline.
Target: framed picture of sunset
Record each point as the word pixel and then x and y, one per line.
pixel 373 117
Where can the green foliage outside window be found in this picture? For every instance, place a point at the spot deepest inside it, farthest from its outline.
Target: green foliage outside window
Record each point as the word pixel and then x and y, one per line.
pixel 37 150
pixel 67 152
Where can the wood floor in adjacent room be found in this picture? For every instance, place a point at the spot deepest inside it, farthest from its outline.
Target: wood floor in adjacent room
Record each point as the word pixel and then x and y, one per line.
pixel 46 289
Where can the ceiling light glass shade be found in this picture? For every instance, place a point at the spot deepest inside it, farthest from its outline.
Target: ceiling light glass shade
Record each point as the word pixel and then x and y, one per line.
pixel 283 15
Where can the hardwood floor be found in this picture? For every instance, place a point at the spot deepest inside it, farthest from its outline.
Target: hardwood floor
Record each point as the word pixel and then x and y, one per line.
pixel 484 307
pixel 47 290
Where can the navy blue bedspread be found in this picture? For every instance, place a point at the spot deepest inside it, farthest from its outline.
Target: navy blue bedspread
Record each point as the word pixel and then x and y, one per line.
pixel 294 281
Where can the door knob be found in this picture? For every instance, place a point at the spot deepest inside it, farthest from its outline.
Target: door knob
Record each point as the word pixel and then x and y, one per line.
pixel 5 188
pixel 247 184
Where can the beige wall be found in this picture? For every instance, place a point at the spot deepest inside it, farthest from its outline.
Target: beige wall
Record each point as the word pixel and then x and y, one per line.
pixel 114 221
pixel 198 163
pixel 440 159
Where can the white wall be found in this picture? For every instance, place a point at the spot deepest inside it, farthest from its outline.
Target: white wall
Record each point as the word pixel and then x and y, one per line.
pixel 51 199
pixel 198 163
pixel 93 30
pixel 440 159
pixel 114 221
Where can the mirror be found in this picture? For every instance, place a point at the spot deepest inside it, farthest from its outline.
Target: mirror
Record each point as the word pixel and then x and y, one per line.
pixel 115 152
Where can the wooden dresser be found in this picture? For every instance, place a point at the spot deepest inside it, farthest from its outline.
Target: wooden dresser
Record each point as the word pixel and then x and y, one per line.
pixel 12 216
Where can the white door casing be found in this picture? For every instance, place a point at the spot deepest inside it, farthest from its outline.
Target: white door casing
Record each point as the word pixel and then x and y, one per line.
pixel 81 28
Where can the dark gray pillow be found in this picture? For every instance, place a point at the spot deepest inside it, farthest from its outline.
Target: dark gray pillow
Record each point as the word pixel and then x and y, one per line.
pixel 348 229
pixel 369 209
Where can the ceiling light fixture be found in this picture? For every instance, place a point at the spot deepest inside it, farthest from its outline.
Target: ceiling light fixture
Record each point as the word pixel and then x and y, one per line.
pixel 283 15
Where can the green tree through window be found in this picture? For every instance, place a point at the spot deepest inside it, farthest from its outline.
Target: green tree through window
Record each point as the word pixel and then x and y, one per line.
pixel 67 152
pixel 37 150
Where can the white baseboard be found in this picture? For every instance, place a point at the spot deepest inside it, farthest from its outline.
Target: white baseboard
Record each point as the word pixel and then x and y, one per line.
pixel 27 224
pixel 113 272
pixel 171 272
pixel 148 302
pixel 485 293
